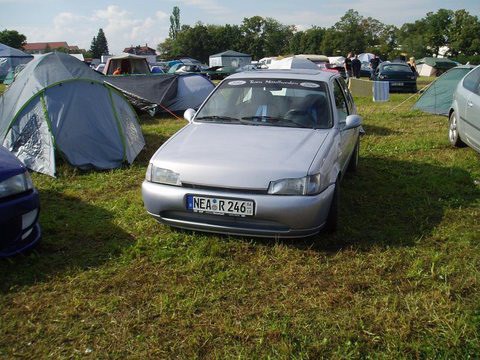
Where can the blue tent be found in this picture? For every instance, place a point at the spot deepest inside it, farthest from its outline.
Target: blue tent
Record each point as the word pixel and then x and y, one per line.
pixel 11 58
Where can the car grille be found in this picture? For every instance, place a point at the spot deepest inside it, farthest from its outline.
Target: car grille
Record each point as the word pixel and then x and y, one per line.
pixel 225 190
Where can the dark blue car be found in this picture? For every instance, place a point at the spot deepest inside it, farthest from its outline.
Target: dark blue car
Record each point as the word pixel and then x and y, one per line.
pixel 19 206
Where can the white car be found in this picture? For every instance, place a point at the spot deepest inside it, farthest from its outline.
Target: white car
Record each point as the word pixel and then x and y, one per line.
pixel 464 113
pixel 263 156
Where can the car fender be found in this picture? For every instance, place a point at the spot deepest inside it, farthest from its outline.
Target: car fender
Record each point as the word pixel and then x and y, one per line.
pixel 326 160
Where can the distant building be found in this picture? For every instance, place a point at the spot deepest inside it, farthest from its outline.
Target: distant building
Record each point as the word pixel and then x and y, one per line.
pixel 140 50
pixel 145 51
pixel 43 47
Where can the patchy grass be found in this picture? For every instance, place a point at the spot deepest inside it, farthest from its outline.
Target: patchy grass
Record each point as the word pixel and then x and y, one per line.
pixel 400 279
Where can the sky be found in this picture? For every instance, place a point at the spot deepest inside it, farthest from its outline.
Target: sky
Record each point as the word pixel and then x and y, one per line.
pixel 128 23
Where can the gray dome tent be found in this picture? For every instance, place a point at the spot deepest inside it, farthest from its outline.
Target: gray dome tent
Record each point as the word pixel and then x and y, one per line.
pixel 11 58
pixel 58 103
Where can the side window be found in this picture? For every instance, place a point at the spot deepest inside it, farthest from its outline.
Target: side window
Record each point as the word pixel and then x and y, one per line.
pixel 340 102
pixel 472 80
pixel 348 95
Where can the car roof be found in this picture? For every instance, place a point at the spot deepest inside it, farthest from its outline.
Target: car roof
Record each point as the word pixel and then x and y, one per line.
pixel 303 74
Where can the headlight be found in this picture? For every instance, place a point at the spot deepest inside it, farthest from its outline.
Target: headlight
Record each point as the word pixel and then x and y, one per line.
pixel 308 185
pixel 162 176
pixel 16 185
pixel 383 76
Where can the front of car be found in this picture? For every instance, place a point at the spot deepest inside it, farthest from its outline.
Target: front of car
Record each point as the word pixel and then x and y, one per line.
pixel 19 207
pixel 249 161
pixel 399 75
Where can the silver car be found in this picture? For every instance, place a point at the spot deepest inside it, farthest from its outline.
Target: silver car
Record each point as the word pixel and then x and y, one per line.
pixel 464 113
pixel 263 156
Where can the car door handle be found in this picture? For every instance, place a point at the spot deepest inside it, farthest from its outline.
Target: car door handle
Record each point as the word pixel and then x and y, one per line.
pixel 469 103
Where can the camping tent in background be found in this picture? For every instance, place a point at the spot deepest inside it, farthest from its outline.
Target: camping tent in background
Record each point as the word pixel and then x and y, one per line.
pixel 128 64
pixel 10 58
pixel 438 97
pixel 163 92
pixel 431 66
pixel 58 103
pixel 230 58
pixel 293 62
pixel 365 57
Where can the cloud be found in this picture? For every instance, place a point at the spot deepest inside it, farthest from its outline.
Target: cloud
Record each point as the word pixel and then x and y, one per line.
pixel 121 29
pixel 209 6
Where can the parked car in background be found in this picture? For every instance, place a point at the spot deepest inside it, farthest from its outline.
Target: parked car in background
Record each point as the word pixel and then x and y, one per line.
pixel 464 114
pixel 19 206
pixel 263 156
pixel 399 75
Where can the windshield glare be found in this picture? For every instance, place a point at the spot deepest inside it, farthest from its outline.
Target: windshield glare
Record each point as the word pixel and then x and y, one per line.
pixel 269 102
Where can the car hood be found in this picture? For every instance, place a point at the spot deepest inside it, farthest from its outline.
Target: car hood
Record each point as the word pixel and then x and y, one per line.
pixel 9 164
pixel 239 156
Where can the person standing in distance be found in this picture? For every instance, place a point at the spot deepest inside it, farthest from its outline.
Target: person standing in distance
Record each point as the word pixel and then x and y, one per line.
pixel 348 65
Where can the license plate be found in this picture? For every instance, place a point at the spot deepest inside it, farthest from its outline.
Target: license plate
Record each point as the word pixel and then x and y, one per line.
pixel 220 206
pixel 397 84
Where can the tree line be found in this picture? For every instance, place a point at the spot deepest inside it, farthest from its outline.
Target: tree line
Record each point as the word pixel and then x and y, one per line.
pixel 263 36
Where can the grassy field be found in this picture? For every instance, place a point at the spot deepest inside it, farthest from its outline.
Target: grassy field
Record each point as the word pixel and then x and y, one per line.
pixel 400 279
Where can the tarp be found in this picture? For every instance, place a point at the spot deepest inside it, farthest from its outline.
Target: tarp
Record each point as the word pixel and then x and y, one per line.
pixel 58 104
pixel 293 62
pixel 437 98
pixel 381 91
pixel 164 92
pixel 11 58
pixel 360 87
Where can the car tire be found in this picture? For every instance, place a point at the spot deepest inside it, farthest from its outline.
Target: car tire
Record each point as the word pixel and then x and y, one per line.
pixel 453 135
pixel 353 163
pixel 331 224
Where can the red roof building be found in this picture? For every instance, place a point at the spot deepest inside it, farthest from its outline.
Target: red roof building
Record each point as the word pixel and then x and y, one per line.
pixel 43 47
pixel 140 50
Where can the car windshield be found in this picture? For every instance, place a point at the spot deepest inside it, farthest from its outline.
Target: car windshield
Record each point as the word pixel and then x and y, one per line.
pixel 269 102
pixel 396 68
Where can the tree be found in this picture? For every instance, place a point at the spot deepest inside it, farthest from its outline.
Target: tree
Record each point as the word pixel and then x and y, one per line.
pixel 102 44
pixel 174 23
pixel 437 29
pixel 307 42
pixel 253 36
pixel 12 38
pixel 352 32
pixel 99 45
pixel 463 35
pixel 93 48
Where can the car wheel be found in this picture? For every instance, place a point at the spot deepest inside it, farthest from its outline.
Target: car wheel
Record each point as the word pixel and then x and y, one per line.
pixel 453 135
pixel 353 163
pixel 331 224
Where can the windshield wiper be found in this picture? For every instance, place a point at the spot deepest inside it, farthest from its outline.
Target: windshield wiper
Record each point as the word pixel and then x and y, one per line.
pixel 217 117
pixel 273 121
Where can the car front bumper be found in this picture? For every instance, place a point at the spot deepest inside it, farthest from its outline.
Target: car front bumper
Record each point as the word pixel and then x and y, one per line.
pixel 19 228
pixel 275 215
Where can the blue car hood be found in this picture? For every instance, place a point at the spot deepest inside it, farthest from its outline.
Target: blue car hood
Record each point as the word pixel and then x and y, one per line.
pixel 9 164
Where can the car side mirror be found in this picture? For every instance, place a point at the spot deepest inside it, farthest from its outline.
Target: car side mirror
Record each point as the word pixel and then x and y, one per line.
pixel 189 114
pixel 352 121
